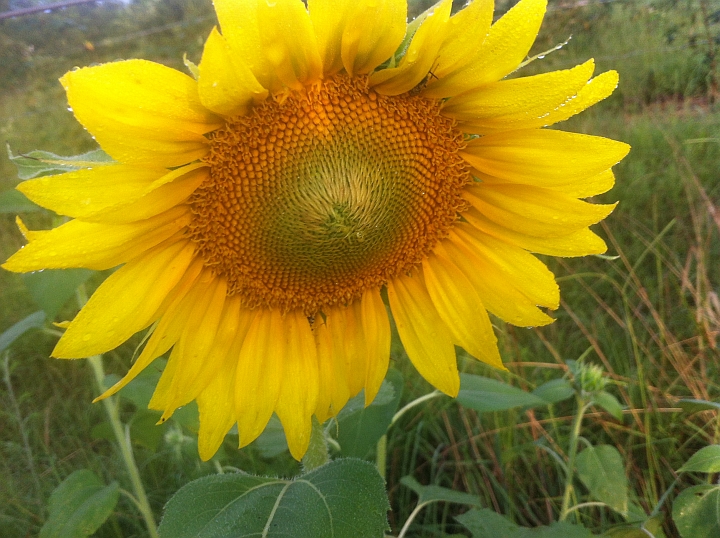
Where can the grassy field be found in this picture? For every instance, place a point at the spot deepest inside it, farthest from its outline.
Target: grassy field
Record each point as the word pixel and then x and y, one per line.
pixel 648 312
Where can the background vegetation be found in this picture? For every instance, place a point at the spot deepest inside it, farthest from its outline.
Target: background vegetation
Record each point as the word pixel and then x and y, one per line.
pixel 648 313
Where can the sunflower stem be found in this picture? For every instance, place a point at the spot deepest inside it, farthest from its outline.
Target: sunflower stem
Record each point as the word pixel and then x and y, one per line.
pixel 317 453
pixel 122 434
pixel 583 406
pixel 381 456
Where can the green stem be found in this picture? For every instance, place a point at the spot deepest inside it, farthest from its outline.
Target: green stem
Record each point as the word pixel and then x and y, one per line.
pixel 123 438
pixel 381 456
pixel 583 406
pixel 317 452
pixel 122 434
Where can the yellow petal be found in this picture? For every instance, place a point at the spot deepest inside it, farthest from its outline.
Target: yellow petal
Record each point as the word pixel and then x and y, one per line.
pixel 96 246
pixel 514 266
pixel 299 390
pixel 543 156
pixel 259 374
pixel 169 191
pixel 539 114
pixel 505 47
pixel 141 112
pixel 578 243
pixel 345 327
pixel 593 92
pixel 226 84
pixel 329 18
pixel 174 312
pixel 467 31
pixel 517 102
pixel 419 57
pixel 162 393
pixel 239 25
pixel 424 335
pixel 231 331
pixel 195 345
pixel 93 194
pixel 216 402
pixel 577 188
pixel 333 391
pixel 125 303
pixel 461 309
pixel 289 42
pixel 365 46
pixel 535 211
pixel 215 405
pixel 376 330
pixel 497 293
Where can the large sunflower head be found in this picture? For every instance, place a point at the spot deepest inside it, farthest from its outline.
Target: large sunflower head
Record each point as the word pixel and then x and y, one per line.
pixel 320 157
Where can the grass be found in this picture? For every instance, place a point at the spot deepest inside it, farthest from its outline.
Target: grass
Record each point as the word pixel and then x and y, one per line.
pixel 649 314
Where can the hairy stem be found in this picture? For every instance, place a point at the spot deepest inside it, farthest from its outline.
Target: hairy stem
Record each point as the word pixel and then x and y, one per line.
pixel 583 406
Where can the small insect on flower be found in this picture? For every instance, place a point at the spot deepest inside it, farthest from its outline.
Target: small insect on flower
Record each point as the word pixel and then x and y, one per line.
pixel 260 212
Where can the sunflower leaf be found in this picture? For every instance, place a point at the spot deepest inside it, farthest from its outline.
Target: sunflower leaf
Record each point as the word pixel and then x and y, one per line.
pixel 52 288
pixel 343 499
pixel 602 471
pixel 14 202
pixel 485 523
pixel 485 394
pixel 705 460
pixel 33 321
pixel 38 163
pixel 434 493
pixel 360 427
pixel 79 505
pixel 695 512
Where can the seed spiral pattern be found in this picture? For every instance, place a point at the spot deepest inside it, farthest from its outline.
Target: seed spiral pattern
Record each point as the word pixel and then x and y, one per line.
pixel 315 197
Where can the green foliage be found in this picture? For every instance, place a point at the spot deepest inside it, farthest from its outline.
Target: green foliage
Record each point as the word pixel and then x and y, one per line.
pixel 14 202
pixel 487 524
pixel 359 428
pixel 40 163
pixel 33 321
pixel 52 288
pixel 705 460
pixel 428 494
pixel 485 394
pixel 79 505
pixel 343 499
pixel 696 512
pixel 602 471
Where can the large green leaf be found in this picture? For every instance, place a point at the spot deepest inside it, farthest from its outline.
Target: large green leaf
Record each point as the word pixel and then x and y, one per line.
pixel 602 471
pixel 360 427
pixel 485 523
pixel 485 394
pixel 52 288
pixel 33 321
pixel 705 460
pixel 696 512
pixel 38 163
pixel 437 493
pixel 343 499
pixel 79 505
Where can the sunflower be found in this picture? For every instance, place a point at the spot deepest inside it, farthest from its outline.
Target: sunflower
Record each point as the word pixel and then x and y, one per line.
pixel 324 163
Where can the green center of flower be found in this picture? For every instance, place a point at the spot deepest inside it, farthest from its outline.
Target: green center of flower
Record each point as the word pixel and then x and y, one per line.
pixel 316 197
